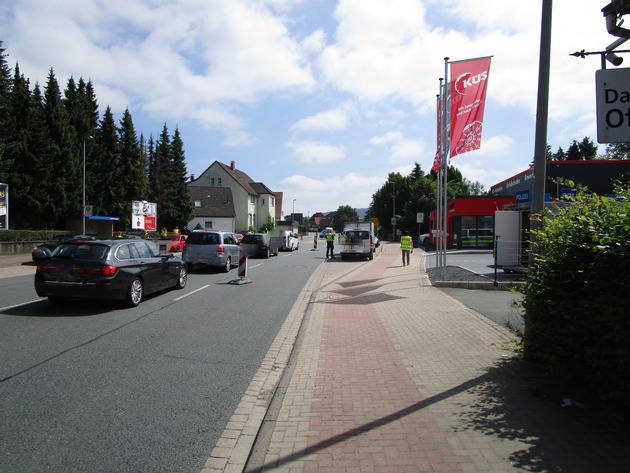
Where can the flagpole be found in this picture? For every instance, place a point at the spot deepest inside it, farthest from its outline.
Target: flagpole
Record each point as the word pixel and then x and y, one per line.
pixel 438 193
pixel 445 148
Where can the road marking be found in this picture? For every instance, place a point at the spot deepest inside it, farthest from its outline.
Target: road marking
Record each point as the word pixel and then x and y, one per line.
pixel 191 292
pixel 20 305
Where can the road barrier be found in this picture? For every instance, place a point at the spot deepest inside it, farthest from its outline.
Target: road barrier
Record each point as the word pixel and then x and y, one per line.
pixel 242 270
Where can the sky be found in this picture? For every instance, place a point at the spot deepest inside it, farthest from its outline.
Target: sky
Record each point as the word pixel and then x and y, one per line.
pixel 318 99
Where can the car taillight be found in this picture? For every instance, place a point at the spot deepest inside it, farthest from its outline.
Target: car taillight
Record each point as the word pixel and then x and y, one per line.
pixel 263 244
pixel 42 268
pixel 220 249
pixel 105 271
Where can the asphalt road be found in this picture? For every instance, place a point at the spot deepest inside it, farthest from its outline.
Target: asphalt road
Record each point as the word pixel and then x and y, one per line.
pixel 98 387
pixel 503 307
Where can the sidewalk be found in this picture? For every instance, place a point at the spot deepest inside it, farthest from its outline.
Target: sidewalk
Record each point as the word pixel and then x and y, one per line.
pixel 377 371
pixel 16 265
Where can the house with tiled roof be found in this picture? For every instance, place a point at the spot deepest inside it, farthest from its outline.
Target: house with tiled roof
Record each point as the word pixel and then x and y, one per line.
pixel 213 208
pixel 252 201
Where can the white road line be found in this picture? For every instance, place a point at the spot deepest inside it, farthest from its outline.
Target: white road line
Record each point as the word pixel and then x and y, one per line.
pixel 191 292
pixel 20 305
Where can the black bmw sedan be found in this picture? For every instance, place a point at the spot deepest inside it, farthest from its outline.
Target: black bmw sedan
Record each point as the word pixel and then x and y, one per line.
pixel 109 269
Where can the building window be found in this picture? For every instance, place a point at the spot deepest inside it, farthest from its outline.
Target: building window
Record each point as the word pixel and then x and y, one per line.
pixel 208 225
pixel 219 180
pixel 263 201
pixel 252 199
pixel 197 203
pixel 273 201
pixel 212 182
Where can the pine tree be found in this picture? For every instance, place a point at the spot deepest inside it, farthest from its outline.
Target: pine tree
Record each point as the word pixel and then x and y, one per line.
pixel 133 177
pixel 104 184
pixel 182 202
pixel 5 117
pixel 65 181
pixel 163 180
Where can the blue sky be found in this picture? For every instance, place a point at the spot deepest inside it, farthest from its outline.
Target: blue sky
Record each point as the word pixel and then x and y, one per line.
pixel 319 99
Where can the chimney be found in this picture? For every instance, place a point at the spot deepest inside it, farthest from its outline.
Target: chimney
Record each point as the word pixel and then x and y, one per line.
pixel 232 166
pixel 192 177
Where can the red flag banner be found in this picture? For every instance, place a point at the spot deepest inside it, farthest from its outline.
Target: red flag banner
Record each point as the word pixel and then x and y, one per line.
pixel 469 82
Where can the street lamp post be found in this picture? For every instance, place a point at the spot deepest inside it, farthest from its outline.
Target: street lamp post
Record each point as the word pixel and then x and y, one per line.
pixel 394 211
pixel 293 212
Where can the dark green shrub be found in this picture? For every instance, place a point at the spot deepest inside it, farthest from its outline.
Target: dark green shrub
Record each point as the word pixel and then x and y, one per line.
pixel 576 299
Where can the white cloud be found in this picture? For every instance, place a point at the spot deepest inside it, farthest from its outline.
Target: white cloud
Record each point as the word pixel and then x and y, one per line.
pixel 335 119
pixel 400 148
pixel 316 152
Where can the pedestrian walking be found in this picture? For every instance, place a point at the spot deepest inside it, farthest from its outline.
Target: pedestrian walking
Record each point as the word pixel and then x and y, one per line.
pixel 330 244
pixel 406 245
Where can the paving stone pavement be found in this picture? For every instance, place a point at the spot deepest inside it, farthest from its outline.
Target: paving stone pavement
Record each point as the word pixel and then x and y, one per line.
pixel 375 370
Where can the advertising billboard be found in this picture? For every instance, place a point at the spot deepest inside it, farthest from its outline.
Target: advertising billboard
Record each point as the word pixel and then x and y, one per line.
pixel 143 215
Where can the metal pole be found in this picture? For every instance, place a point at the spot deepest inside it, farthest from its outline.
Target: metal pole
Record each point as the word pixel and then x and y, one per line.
pixel 540 141
pixel 445 134
pixel 83 206
pixel 394 211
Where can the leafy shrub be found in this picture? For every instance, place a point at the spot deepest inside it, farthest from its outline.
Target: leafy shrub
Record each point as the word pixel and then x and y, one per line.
pixel 576 298
pixel 30 235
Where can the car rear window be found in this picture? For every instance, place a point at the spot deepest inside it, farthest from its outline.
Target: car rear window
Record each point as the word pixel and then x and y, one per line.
pixel 358 235
pixel 203 239
pixel 81 251
pixel 252 239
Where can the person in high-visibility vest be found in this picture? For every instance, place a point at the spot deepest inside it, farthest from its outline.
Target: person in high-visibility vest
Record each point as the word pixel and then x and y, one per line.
pixel 406 245
pixel 330 244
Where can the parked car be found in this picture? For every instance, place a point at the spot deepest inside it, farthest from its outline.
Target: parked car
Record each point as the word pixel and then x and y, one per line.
pixel 112 269
pixel 256 245
pixel 179 241
pixel 211 249
pixel 423 240
pixel 45 249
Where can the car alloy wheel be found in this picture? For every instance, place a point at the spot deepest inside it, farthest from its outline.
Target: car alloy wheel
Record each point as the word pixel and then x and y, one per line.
pixel 183 277
pixel 136 289
pixel 228 265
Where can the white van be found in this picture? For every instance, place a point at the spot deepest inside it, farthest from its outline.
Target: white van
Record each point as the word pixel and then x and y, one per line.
pixel 358 239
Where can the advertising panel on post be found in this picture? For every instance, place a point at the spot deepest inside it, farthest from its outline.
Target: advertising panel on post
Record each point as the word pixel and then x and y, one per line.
pixel 143 215
pixel 4 206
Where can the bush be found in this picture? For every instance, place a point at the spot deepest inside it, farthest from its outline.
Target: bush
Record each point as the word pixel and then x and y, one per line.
pixel 30 235
pixel 576 299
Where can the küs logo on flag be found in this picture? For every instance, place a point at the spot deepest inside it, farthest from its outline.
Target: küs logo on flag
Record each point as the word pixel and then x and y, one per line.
pixel 469 82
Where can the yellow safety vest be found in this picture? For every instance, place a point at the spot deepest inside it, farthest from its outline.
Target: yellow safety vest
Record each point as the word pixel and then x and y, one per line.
pixel 405 242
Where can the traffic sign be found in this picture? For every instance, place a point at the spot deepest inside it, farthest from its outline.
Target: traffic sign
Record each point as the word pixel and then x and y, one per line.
pixel 613 105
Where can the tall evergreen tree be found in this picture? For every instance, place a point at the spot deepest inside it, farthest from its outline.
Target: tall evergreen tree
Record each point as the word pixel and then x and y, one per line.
pixel 5 117
pixel 64 182
pixel 132 165
pixel 105 176
pixel 182 202
pixel 163 180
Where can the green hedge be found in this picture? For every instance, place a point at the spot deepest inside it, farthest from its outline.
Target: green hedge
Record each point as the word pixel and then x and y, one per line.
pixel 576 300
pixel 29 235
pixel 43 235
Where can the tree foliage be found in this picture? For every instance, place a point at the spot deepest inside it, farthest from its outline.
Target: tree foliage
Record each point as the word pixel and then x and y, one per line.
pixel 406 196
pixel 344 214
pixel 44 138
